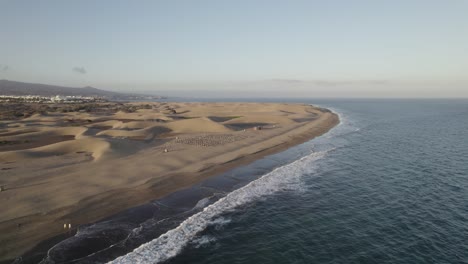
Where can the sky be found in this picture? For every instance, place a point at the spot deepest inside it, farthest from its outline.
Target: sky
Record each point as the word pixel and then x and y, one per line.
pixel 291 48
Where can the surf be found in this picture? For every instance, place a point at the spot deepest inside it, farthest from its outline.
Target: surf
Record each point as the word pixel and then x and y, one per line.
pixel 171 243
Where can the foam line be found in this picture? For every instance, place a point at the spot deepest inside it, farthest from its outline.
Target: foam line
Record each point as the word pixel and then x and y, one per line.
pixel 168 245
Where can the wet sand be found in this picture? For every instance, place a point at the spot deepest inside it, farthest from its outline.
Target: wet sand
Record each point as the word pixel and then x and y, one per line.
pixel 104 171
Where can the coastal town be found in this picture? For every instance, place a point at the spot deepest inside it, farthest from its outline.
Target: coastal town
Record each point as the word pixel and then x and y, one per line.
pixel 70 99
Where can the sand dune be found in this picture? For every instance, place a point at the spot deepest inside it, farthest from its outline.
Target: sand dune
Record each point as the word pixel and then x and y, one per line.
pixel 40 136
pixel 135 125
pixel 142 134
pixel 48 131
pixel 268 119
pixel 96 147
pixel 105 124
pixel 196 125
pixel 77 166
pixel 7 132
pixel 141 115
pixel 47 134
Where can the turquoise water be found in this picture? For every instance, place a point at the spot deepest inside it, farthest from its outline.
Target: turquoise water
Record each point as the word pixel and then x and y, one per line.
pixel 391 186
pixel 387 185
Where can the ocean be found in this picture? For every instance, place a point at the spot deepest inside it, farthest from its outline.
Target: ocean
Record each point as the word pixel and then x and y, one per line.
pixel 389 184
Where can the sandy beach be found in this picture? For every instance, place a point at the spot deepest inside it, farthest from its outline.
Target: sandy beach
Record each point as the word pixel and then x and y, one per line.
pixel 78 167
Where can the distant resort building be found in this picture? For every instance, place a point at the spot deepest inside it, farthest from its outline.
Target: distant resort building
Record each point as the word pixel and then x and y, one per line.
pixel 49 99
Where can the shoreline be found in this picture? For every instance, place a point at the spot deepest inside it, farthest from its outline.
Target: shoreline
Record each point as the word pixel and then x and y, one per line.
pixel 111 202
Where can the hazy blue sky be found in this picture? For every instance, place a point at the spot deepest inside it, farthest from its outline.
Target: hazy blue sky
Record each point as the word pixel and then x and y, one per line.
pixel 307 48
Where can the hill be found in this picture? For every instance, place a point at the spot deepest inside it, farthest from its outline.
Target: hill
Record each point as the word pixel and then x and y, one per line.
pixel 21 88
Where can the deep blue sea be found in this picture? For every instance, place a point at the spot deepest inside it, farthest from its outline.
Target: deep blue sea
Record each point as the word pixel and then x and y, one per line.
pixel 387 185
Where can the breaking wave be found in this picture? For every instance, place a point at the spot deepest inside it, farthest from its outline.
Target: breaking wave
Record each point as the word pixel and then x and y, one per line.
pixel 202 241
pixel 168 245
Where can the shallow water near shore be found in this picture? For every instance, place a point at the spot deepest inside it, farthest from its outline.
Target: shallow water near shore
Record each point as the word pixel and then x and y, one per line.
pixel 387 185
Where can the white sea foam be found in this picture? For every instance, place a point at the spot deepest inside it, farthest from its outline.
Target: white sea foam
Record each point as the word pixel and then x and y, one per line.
pixel 202 203
pixel 203 240
pixel 221 221
pixel 345 126
pixel 168 245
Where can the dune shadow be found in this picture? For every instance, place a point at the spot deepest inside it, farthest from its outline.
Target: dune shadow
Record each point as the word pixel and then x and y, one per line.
pixel 241 126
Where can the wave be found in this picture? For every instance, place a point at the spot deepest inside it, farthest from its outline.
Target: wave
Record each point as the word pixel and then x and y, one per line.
pixel 168 245
pixel 202 241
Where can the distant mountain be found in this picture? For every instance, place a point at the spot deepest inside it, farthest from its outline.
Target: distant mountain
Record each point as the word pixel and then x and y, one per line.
pixel 20 88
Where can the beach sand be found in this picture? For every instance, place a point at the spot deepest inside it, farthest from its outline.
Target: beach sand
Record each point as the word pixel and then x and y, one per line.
pixel 79 167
